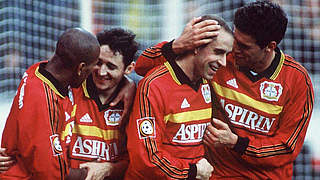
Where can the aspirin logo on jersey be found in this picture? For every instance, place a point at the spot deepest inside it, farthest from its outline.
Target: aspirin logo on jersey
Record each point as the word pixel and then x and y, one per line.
pixel 270 91
pixel 113 117
pixel 190 133
pixel 55 145
pixel 251 120
pixel 146 127
pixel 85 148
pixel 205 89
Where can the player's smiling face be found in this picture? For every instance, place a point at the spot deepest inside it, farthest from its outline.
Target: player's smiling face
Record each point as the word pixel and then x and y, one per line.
pixel 212 56
pixel 247 53
pixel 109 70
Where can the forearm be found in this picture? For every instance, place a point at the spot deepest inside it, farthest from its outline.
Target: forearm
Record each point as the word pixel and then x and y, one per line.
pixel 150 58
pixel 77 174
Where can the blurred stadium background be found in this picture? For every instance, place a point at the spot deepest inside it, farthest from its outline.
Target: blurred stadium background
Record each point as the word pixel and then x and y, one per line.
pixel 29 30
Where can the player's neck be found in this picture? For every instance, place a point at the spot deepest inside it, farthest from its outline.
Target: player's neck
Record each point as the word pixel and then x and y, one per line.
pixel 105 95
pixel 61 74
pixel 268 60
pixel 187 65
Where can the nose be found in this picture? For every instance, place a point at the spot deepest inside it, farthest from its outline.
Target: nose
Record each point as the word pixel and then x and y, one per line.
pixel 103 70
pixel 223 60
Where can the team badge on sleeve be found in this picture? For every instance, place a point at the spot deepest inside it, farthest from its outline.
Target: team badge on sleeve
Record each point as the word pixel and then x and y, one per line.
pixel 146 127
pixel 270 91
pixel 112 117
pixel 55 145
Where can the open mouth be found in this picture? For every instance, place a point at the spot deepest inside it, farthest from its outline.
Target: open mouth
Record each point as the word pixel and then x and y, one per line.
pixel 213 68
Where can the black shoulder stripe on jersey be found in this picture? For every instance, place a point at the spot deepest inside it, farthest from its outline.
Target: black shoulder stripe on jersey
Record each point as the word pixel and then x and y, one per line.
pixel 51 100
pixel 145 107
pixel 291 142
pixel 49 106
pixel 307 107
pixel 55 111
pixel 268 155
pixel 152 50
pixel 151 57
pixel 163 163
pixel 150 155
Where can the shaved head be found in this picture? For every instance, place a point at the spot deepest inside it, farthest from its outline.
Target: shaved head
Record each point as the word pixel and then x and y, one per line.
pixel 77 45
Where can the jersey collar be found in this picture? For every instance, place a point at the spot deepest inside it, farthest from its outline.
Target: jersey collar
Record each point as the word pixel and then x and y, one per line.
pixel 180 77
pixel 271 72
pixel 48 78
pixel 90 90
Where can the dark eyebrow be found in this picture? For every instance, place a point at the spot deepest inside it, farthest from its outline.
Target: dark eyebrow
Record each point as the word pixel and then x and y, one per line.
pixel 111 65
pixel 108 63
pixel 219 51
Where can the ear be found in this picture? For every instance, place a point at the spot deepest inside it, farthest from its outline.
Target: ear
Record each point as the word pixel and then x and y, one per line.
pixel 81 68
pixel 129 68
pixel 271 46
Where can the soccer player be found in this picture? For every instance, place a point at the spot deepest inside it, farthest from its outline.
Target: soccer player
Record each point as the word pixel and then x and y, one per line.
pixel 98 141
pixel 31 133
pixel 262 113
pixel 171 111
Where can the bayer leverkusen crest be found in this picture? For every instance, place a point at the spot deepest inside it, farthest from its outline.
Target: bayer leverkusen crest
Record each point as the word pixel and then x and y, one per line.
pixel 113 117
pixel 205 90
pixel 270 91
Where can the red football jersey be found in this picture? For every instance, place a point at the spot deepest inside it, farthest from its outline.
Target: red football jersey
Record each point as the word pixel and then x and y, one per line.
pixel 94 131
pixel 270 110
pixel 170 115
pixel 31 133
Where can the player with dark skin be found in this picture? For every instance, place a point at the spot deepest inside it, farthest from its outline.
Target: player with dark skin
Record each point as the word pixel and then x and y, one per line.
pixel 194 34
pixel 72 62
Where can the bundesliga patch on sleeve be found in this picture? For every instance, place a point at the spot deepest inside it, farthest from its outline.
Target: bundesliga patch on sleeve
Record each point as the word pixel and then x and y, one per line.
pixel 146 127
pixel 55 145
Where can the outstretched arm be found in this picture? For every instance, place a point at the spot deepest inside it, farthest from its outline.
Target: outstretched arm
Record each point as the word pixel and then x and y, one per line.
pixel 195 34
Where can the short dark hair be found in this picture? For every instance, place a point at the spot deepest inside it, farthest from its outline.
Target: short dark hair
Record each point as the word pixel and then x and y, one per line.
pixel 77 45
pixel 262 20
pixel 119 40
